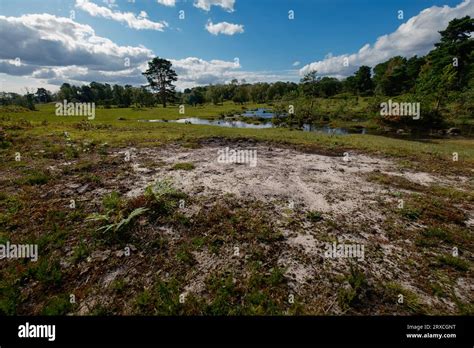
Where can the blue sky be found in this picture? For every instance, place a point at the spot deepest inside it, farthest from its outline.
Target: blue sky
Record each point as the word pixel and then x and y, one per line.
pixel 268 44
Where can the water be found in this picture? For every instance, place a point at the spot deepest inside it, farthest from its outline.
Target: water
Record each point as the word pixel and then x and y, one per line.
pixel 223 123
pixel 263 125
pixel 260 113
pixel 331 130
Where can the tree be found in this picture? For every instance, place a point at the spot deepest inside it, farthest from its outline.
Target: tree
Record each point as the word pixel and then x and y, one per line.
pixel 66 92
pixel 329 86
pixel 363 81
pixel 195 97
pixel 456 48
pixel 214 94
pixel 391 77
pixel 241 95
pixel 309 84
pixel 43 95
pixel 160 78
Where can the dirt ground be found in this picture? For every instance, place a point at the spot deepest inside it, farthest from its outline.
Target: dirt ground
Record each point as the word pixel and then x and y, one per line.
pixel 290 182
pixel 239 224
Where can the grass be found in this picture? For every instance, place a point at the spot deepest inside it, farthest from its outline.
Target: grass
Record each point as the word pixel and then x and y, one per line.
pixel 58 305
pixel 34 177
pixel 34 208
pixel 350 296
pixel 435 154
pixel 114 227
pixel 183 166
pixel 410 300
pixel 314 216
pixel 454 262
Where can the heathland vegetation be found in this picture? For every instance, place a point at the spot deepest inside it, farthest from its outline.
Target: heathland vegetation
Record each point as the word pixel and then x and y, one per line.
pixel 441 83
pixel 140 217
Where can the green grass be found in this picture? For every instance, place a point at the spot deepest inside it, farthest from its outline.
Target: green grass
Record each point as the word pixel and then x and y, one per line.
pixel 34 177
pixel 183 166
pixel 454 262
pixel 352 295
pixel 58 305
pixel 411 302
pixel 436 213
pixel 105 128
pixel 314 216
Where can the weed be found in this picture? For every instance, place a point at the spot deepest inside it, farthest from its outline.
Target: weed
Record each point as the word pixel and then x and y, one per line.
pixel 183 166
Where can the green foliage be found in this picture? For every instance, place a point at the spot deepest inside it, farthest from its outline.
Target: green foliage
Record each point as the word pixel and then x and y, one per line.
pixel 314 216
pixel 112 201
pixel 183 166
pixel 160 78
pixel 58 305
pixel 455 262
pixel 116 219
pixel 349 296
pixel 46 272
pixel 161 189
pixel 117 226
pixel 35 177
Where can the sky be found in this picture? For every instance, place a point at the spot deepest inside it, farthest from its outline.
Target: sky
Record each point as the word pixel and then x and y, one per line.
pixel 46 43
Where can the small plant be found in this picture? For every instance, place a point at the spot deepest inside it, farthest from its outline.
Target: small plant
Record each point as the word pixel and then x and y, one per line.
pixel 46 272
pixel 314 216
pixel 410 299
pixel 118 225
pixel 80 252
pixel 348 297
pixel 112 201
pixel 161 189
pixel 185 256
pixel 410 213
pixel 118 285
pixel 455 262
pixel 59 305
pixel 163 198
pixel 35 178
pixel 183 166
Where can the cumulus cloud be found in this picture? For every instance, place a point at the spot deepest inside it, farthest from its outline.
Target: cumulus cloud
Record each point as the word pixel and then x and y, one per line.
pixel 55 50
pixel 224 28
pixel 59 49
pixel 297 63
pixel 205 5
pixel 415 37
pixel 170 3
pixel 194 71
pixel 130 19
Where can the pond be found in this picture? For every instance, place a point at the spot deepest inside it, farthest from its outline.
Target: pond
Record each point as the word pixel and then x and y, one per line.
pixel 259 113
pixel 263 125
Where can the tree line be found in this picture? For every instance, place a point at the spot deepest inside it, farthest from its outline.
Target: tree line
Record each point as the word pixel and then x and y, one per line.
pixel 447 68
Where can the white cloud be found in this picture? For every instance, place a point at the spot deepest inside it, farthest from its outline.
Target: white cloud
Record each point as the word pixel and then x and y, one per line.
pixel 194 71
pixel 53 50
pixel 297 63
pixel 129 18
pixel 170 3
pixel 415 37
pixel 205 5
pixel 57 49
pixel 224 28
